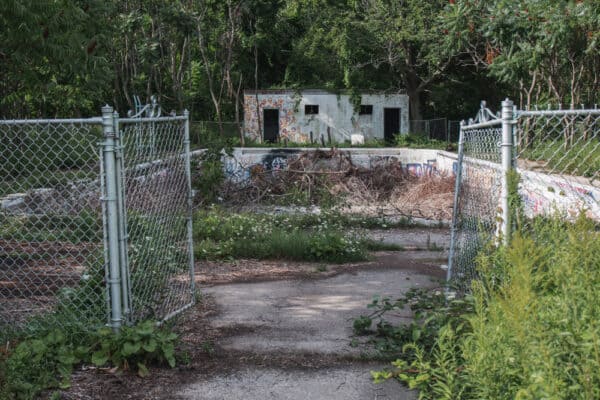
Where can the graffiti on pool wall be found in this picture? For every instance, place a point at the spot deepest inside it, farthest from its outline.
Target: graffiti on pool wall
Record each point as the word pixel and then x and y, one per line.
pixel 417 169
pixel 545 194
pixel 382 161
pixel 239 169
pixel 422 169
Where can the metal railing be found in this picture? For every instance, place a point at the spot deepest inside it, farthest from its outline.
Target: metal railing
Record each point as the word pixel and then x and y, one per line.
pixel 556 155
pixel 437 128
pixel 95 221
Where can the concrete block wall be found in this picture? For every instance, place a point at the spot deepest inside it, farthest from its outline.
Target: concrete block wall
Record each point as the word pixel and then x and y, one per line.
pixel 336 113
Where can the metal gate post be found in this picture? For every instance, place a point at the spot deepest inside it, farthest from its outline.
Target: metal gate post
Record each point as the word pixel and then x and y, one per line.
pixel 507 165
pixel 123 254
pixel 190 216
pixel 112 215
pixel 457 182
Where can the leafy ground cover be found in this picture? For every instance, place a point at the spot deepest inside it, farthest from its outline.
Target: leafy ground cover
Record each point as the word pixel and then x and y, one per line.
pixel 44 359
pixel 529 331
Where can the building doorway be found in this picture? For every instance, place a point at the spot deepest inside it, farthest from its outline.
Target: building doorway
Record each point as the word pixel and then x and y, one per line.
pixel 391 123
pixel 271 125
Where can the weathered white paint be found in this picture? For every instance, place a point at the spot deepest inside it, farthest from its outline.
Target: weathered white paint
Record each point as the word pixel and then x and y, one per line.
pixel 336 112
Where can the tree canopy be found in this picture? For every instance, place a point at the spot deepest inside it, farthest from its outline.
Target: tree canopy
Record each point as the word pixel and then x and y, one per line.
pixel 67 57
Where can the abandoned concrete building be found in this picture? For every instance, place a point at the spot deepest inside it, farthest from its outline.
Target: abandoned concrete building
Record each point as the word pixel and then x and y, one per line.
pixel 319 115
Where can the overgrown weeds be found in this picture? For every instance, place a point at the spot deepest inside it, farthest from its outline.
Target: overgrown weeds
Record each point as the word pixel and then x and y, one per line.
pixel 419 141
pixel 45 359
pixel 221 235
pixel 532 330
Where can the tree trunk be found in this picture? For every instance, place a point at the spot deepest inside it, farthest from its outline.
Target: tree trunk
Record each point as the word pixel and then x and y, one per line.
pixel 237 111
pixel 259 127
pixel 414 100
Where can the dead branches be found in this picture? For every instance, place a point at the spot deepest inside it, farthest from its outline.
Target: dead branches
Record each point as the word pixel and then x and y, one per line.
pixel 331 176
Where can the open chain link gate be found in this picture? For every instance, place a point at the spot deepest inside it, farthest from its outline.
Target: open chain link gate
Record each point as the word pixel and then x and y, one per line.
pixel 95 220
pixel 556 154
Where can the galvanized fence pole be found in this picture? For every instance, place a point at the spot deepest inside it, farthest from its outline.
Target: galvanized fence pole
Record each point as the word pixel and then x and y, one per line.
pixel 507 165
pixel 112 215
pixel 188 175
pixel 123 238
pixel 457 182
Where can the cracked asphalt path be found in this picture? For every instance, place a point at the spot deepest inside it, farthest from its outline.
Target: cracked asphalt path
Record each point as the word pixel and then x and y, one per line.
pixel 292 318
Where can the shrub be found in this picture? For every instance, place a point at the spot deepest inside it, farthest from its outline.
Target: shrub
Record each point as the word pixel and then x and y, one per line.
pixel 533 332
pixel 418 141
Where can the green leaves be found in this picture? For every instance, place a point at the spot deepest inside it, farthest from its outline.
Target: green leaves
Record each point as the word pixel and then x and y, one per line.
pixel 136 346
pixel 100 358
pixel 547 46
pixel 47 362
pixel 532 334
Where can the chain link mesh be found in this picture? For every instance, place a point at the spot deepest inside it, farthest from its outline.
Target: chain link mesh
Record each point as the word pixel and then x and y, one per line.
pixel 558 160
pixel 557 157
pixel 478 201
pixel 51 236
pixel 157 191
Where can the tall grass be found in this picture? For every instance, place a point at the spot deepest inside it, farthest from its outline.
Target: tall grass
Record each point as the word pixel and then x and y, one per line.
pixel 535 329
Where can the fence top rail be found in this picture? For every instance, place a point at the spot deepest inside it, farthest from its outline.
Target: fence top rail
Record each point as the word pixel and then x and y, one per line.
pixel 152 119
pixel 557 112
pixel 487 124
pixel 95 120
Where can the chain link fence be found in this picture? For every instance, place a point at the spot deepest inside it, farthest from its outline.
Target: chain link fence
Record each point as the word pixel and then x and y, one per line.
pixel 95 221
pixel 558 160
pixel 477 198
pixel 51 236
pixel 437 128
pixel 158 216
pixel 431 128
pixel 556 154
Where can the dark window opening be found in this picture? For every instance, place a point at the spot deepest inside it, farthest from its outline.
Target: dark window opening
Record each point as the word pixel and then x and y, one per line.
pixel 366 110
pixel 311 109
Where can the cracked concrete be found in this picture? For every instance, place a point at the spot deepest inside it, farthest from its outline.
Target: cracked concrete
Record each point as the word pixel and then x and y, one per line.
pixel 305 316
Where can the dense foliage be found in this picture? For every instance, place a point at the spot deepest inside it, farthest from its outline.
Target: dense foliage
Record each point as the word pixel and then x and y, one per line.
pixel 68 57
pixel 532 331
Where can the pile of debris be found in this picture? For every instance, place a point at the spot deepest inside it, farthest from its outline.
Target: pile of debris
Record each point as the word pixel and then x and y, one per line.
pixel 321 176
